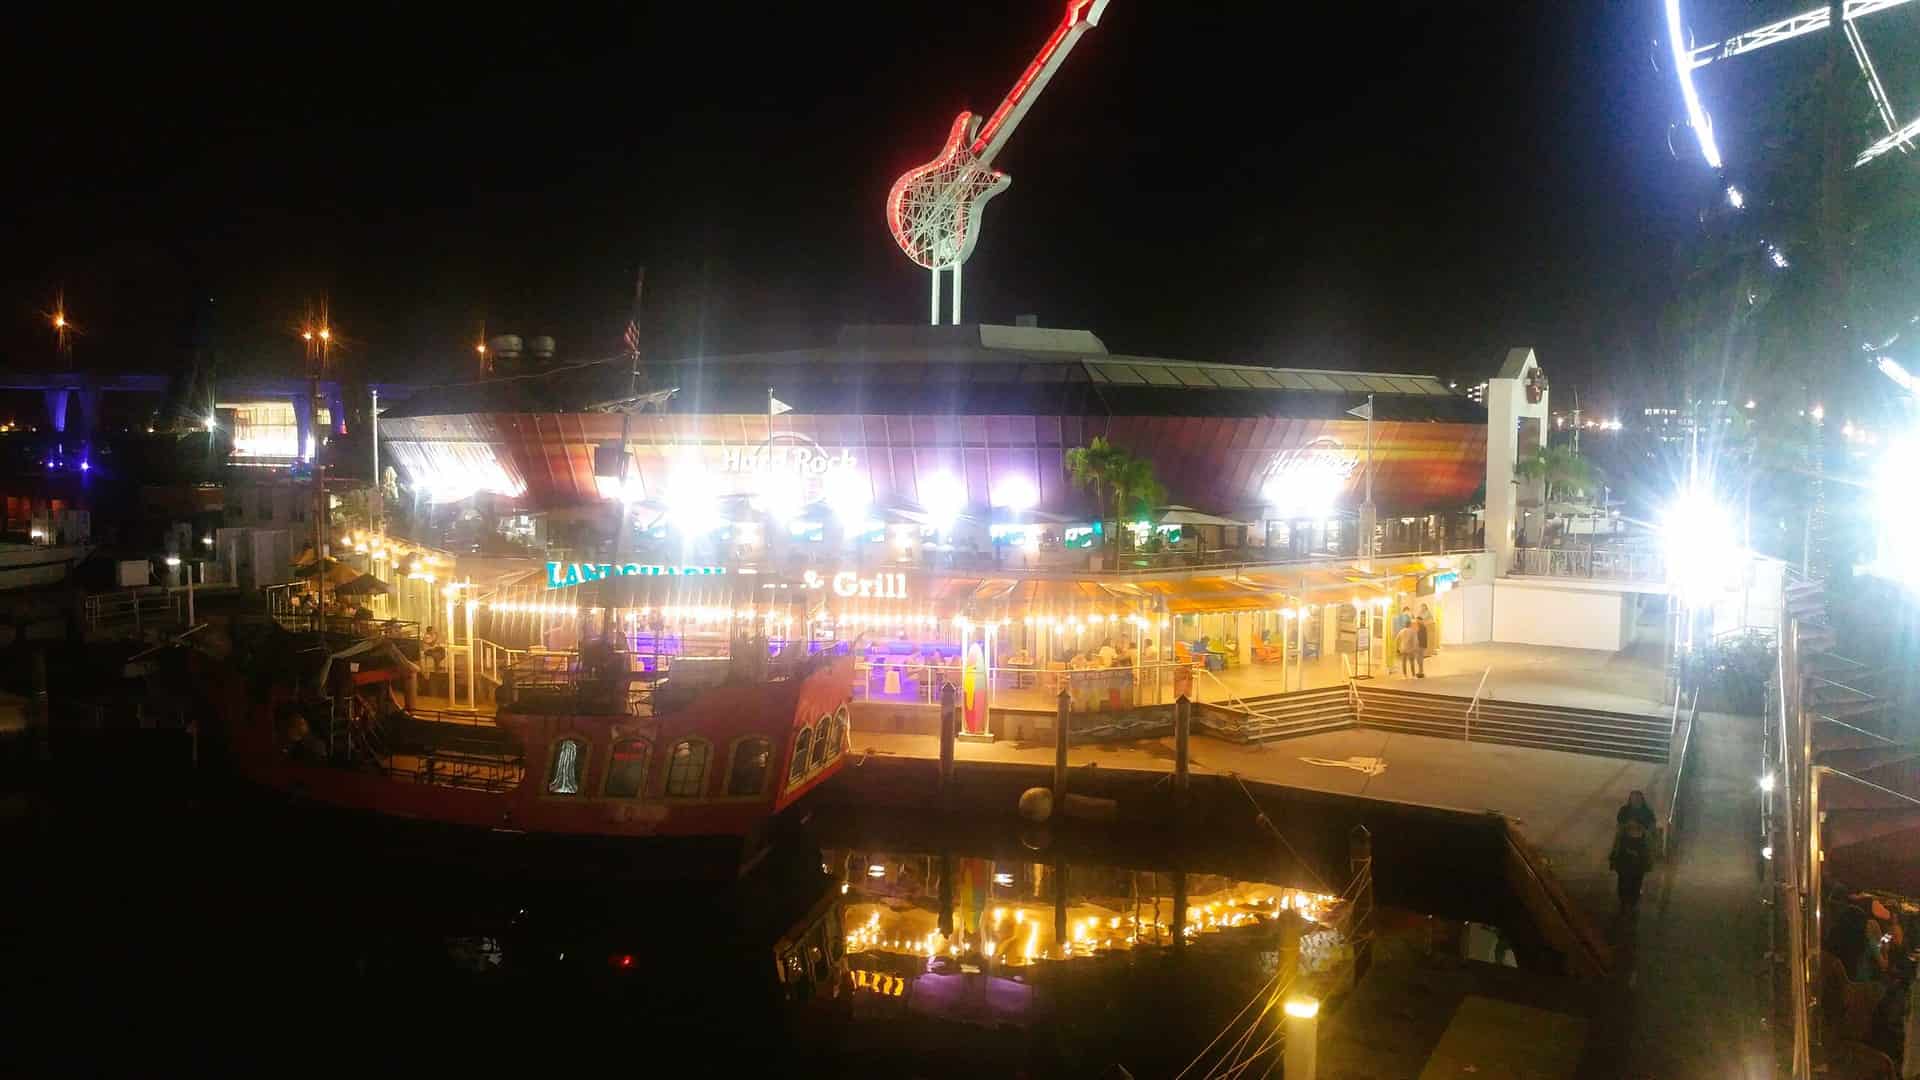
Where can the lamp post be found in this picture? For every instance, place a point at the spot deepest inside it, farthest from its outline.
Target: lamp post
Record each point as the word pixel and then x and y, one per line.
pixel 318 343
pixel 173 563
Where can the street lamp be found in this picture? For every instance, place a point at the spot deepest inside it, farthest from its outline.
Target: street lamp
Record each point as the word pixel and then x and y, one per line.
pixel 173 563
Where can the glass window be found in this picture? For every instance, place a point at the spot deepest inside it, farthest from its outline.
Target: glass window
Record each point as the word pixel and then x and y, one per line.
pixel 569 756
pixel 687 768
pixel 747 773
pixel 627 773
pixel 822 735
pixel 802 739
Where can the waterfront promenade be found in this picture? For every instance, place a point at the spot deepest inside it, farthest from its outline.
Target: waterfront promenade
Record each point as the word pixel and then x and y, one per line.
pixel 1689 991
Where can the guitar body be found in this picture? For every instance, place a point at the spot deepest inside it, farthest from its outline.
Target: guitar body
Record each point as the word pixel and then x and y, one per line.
pixel 934 210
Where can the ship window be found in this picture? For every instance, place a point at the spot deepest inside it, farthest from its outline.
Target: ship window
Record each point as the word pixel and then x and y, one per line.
pixel 687 768
pixel 801 740
pixel 747 773
pixel 822 735
pixel 840 730
pixel 569 756
pixel 627 773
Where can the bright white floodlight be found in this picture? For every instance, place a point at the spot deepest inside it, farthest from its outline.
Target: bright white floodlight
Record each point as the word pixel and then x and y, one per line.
pixel 691 506
pixel 847 494
pixel 943 497
pixel 1016 494
pixel 1702 545
pixel 1895 512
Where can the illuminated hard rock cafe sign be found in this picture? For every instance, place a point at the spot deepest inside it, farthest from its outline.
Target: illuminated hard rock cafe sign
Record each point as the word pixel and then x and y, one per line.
pixel 785 454
pixel 1321 457
pixel 1306 480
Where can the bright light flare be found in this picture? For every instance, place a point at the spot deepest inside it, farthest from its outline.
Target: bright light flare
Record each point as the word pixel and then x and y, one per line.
pixel 1702 545
pixel 1896 514
pixel 1901 377
pixel 848 494
pixel 1683 67
pixel 692 503
pixel 1305 1008
pixel 943 497
pixel 1735 199
pixel 779 497
pixel 1016 494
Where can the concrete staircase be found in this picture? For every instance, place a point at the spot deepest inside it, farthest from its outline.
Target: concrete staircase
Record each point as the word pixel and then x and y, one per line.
pixel 1512 723
pixel 1279 716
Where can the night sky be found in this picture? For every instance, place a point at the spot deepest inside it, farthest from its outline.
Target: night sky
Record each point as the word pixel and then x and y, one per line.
pixel 1410 187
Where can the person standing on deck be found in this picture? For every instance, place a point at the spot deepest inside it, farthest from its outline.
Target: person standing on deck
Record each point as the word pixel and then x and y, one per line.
pixel 1407 643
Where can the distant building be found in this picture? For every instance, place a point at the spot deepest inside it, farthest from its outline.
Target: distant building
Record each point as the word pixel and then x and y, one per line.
pixel 1672 425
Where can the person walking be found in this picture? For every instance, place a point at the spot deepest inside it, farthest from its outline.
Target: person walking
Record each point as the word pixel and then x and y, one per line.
pixel 1632 854
pixel 1407 643
pixel 1421 638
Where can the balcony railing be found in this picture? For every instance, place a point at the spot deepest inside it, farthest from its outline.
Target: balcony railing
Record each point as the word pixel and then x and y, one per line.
pixel 1084 564
pixel 1599 564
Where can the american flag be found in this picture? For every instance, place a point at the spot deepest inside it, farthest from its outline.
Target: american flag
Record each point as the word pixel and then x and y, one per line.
pixel 632 334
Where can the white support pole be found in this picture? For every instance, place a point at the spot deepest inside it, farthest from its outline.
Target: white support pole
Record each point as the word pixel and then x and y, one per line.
pixel 933 315
pixel 956 293
pixel 473 699
pixel 373 429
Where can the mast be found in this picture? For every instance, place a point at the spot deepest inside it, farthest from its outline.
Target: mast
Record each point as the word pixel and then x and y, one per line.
pixel 632 339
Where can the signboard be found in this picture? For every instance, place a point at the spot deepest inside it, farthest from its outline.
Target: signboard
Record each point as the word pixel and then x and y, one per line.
pixel 849 584
pixel 1305 480
pixel 567 575
pixel 791 454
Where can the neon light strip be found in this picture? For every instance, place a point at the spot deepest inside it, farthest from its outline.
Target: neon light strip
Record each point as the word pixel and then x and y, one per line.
pixel 1683 66
pixel 1873 77
pixel 566 575
pixel 1077 13
pixel 1787 29
pixel 1905 135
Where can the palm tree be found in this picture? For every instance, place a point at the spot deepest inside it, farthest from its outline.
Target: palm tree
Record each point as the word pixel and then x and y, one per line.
pixel 1136 490
pixel 1120 482
pixel 1558 469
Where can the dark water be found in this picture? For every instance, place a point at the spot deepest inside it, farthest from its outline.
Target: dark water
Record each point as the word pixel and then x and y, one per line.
pixel 198 925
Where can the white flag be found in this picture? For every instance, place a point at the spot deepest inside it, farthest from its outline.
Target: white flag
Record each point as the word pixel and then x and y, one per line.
pixel 775 406
pixel 1364 412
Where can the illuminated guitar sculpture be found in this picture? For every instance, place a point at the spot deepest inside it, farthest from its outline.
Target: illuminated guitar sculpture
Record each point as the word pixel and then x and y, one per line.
pixel 934 210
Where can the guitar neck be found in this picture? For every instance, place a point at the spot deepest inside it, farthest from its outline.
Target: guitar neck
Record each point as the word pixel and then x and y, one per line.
pixel 1081 16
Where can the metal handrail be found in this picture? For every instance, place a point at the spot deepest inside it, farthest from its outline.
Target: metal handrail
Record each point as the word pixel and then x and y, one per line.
pixel 1474 705
pixel 1679 767
pixel 1597 564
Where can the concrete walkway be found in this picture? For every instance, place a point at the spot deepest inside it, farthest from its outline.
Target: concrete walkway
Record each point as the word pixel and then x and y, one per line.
pixel 1692 989
pixel 1632 681
pixel 1691 985
pixel 1563 802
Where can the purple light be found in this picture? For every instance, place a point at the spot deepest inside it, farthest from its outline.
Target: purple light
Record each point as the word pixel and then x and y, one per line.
pixel 86 466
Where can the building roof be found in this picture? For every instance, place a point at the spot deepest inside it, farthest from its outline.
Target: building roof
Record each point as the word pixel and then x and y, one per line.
pixel 966 370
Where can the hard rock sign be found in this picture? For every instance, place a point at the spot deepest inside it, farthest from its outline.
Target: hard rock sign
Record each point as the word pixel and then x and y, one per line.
pixel 934 210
